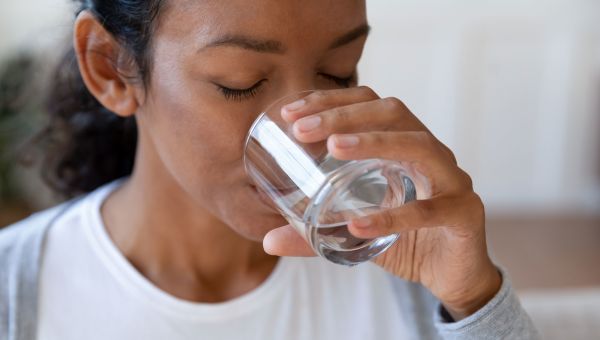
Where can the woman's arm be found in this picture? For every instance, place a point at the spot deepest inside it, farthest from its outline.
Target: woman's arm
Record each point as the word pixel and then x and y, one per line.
pixel 502 317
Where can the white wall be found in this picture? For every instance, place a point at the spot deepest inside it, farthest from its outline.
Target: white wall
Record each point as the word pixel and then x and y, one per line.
pixel 38 24
pixel 513 87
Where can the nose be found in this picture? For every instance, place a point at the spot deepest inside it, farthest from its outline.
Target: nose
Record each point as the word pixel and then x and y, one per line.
pixel 300 79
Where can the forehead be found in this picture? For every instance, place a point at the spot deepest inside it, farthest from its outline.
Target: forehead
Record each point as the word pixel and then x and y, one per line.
pixel 293 22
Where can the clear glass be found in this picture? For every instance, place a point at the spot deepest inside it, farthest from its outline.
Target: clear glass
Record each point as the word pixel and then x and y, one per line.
pixel 318 194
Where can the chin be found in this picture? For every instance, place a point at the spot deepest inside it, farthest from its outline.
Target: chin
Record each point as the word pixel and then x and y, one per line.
pixel 250 215
pixel 256 227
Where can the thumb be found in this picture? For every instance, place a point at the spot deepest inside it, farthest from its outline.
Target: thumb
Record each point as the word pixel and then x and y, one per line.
pixel 285 241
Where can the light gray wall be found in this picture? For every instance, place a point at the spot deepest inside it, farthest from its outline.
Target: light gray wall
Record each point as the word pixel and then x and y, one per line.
pixel 512 86
pixel 33 24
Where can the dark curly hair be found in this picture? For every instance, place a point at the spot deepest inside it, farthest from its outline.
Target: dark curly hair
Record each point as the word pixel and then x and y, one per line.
pixel 85 145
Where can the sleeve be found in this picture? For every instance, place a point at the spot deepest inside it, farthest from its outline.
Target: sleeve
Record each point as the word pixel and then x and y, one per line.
pixel 503 317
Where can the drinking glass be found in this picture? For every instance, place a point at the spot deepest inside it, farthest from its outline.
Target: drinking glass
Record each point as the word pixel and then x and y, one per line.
pixel 318 194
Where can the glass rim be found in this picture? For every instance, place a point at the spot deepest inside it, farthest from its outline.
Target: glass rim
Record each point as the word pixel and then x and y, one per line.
pixel 261 116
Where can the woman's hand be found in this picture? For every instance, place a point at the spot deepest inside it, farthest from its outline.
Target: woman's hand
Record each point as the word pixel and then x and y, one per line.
pixel 442 234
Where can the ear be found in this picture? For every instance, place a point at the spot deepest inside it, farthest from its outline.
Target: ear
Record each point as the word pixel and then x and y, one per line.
pixel 99 56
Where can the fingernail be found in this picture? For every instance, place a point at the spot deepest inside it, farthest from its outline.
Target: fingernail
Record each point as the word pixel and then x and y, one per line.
pixel 345 141
pixel 268 244
pixel 294 105
pixel 362 222
pixel 308 123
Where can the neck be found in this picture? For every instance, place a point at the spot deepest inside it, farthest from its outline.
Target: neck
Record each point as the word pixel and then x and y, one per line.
pixel 177 245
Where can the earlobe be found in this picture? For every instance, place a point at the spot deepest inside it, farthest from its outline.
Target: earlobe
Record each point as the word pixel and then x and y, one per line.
pixel 98 54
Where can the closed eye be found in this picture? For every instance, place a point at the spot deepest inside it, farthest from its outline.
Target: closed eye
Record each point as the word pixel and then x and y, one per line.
pixel 240 94
pixel 340 81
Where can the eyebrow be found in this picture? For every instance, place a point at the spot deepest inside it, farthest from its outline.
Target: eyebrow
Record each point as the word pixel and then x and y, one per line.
pixel 274 46
pixel 349 37
pixel 248 43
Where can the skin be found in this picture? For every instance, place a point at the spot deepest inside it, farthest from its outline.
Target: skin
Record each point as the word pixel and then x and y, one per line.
pixel 189 219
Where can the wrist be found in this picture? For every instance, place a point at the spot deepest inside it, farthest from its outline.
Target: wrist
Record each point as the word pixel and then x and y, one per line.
pixel 478 295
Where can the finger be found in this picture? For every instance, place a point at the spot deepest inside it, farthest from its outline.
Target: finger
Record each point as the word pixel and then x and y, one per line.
pixel 285 241
pixel 325 99
pixel 376 115
pixel 419 149
pixel 444 211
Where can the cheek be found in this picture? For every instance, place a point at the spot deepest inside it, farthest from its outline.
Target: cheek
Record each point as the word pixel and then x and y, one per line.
pixel 198 138
pixel 207 162
pixel 191 131
pixel 199 141
pixel 198 125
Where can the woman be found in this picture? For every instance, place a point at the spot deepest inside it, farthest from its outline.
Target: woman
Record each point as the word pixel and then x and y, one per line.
pixel 167 241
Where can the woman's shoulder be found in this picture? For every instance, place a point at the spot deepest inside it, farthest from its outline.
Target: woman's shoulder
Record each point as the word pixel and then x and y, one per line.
pixel 20 237
pixel 22 233
pixel 37 224
pixel 20 249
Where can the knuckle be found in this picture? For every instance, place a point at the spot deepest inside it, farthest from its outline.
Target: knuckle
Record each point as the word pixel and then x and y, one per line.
pixel 342 115
pixel 426 139
pixel 475 207
pixel 466 179
pixel 377 138
pixel 368 92
pixel 433 145
pixel 477 201
pixel 450 154
pixel 318 96
pixel 394 104
pixel 387 220
pixel 336 120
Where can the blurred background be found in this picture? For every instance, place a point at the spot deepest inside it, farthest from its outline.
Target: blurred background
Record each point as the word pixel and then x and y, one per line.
pixel 512 87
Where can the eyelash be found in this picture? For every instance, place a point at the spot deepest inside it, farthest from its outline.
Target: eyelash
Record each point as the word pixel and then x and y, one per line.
pixel 241 94
pixel 343 82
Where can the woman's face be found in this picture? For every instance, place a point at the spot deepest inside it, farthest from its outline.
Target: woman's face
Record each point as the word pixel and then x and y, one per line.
pixel 196 127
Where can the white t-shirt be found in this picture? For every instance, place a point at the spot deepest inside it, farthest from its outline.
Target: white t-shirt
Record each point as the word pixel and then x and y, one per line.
pixel 88 290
